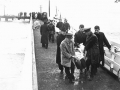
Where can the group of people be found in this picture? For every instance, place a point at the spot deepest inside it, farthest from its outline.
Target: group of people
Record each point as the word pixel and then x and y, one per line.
pixel 93 43
pixel 47 30
pixel 93 51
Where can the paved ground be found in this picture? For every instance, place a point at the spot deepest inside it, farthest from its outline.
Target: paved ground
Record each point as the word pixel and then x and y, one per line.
pixel 49 77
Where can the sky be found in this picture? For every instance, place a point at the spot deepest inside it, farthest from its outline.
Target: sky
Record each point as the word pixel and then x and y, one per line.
pixel 105 13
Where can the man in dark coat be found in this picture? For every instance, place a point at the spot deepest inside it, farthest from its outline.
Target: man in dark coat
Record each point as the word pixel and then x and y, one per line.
pixel 66 25
pixel 44 35
pixel 80 36
pixel 51 31
pixel 102 41
pixel 60 38
pixel 92 55
pixel 60 25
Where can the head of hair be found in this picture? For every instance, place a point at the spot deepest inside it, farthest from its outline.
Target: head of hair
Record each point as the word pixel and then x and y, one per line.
pixel 97 27
pixel 81 26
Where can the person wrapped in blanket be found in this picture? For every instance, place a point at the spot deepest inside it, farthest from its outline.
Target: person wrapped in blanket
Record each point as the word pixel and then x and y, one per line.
pixel 92 53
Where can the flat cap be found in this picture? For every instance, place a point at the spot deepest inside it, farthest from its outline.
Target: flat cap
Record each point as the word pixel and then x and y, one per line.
pixel 87 29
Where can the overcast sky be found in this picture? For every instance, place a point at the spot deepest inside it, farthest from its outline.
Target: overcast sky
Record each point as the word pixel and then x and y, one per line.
pixel 105 13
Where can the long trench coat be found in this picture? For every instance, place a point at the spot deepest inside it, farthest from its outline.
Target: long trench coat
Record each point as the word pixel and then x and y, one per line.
pixel 92 48
pixel 60 38
pixel 44 33
pixel 67 51
pixel 102 40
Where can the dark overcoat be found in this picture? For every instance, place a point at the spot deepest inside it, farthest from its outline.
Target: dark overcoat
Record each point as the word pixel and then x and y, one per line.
pixel 66 26
pixel 44 33
pixel 80 37
pixel 60 38
pixel 92 48
pixel 102 40
pixel 60 25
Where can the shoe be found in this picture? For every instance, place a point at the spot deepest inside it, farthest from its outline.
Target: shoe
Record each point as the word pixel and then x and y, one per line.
pixel 73 77
pixel 71 81
pixel 66 77
pixel 90 78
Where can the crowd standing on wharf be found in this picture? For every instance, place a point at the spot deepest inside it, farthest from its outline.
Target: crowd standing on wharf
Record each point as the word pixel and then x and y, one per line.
pixel 66 58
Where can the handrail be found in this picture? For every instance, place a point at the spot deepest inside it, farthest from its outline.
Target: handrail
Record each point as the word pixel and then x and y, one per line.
pixel 114 45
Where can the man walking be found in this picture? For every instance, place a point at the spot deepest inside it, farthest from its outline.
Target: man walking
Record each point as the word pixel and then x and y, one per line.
pixel 101 40
pixel 44 31
pixel 51 31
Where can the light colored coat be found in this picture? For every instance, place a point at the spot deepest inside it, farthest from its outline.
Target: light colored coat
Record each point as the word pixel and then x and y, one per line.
pixel 67 50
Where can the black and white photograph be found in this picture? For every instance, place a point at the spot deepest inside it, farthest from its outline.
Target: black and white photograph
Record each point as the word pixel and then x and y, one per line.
pixel 60 44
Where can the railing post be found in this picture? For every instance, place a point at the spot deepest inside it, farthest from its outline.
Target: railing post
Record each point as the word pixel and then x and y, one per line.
pixel 113 56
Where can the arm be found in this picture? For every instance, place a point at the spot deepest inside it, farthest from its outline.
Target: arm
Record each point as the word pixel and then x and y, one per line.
pixel 58 41
pixel 75 40
pixel 64 51
pixel 106 41
pixel 57 25
pixel 68 26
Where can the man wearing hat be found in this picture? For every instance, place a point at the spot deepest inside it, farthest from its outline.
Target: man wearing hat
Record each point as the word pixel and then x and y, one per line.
pixel 92 48
pixel 102 40
pixel 67 56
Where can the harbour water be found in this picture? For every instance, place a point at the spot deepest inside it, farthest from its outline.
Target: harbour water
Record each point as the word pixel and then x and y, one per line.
pixel 13 38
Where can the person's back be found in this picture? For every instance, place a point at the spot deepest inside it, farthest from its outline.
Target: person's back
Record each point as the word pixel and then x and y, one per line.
pixel 44 29
pixel 60 25
pixel 44 35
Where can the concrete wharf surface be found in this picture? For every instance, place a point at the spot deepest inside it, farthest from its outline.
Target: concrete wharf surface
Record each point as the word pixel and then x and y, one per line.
pixel 49 77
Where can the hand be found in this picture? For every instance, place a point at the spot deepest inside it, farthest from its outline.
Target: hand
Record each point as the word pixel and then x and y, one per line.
pixel 75 57
pixel 109 49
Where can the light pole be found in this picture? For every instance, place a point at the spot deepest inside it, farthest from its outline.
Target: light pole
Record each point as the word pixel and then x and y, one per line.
pixel 4 10
pixel 40 9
